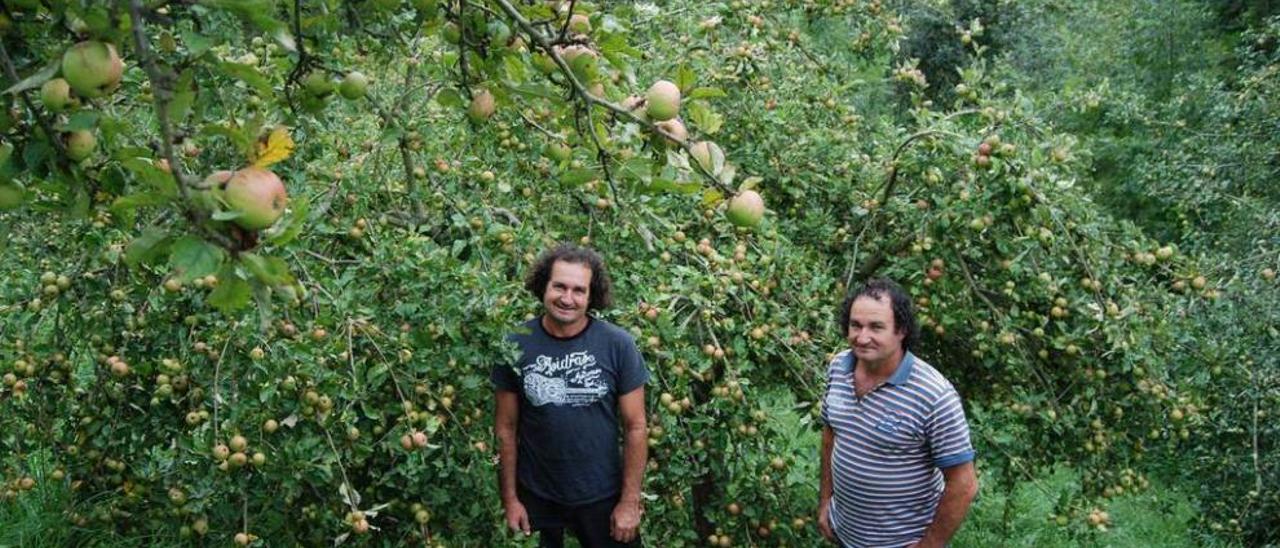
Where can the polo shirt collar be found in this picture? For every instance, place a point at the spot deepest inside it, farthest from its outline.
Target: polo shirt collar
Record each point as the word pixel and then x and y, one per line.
pixel 903 374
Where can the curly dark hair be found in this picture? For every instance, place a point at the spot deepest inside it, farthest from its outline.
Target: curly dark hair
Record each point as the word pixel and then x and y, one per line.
pixel 540 274
pixel 904 316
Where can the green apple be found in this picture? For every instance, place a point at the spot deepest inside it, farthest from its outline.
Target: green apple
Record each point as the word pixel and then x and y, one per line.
pixel 662 102
pixel 746 209
pixel 353 86
pixel 80 144
pixel 55 94
pixel 317 84
pixel 92 68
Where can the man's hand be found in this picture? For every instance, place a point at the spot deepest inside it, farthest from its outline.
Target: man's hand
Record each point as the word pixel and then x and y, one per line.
pixel 517 517
pixel 824 521
pixel 625 521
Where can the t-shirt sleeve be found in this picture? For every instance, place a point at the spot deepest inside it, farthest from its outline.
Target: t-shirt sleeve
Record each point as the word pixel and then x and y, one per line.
pixel 948 432
pixel 833 372
pixel 503 377
pixel 632 371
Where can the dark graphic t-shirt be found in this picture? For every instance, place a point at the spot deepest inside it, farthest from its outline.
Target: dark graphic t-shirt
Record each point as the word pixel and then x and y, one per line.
pixel 567 434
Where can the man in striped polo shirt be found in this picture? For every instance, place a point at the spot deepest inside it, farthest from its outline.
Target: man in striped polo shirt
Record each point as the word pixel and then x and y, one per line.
pixel 897 464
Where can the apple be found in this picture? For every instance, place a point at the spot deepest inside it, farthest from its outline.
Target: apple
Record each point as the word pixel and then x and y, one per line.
pixel 662 102
pixel 353 86
pixel 579 24
pixel 258 195
pixel 482 106
pixel 55 94
pixel 746 209
pixel 92 68
pixel 557 152
pixel 80 144
pixel 317 84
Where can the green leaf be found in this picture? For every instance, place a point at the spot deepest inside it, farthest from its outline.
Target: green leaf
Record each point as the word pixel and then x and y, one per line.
pixel 391 134
pixel 136 200
pixel 514 69
pixel 535 90
pixel 449 98
pixel 711 197
pixel 152 177
pixel 577 177
pixel 152 244
pixel 85 119
pixel 181 105
pixel 685 78
pixel 196 43
pixel 232 293
pixel 706 93
pixel 668 185
pixel 35 80
pixel 255 12
pixel 226 215
pixel 293 225
pixel 271 271
pixel 247 74
pixel 242 141
pixel 615 45
pixel 35 152
pixel 192 258
pixel 262 296
pixel 704 118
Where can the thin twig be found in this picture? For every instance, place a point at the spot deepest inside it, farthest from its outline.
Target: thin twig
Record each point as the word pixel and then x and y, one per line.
pixel 581 92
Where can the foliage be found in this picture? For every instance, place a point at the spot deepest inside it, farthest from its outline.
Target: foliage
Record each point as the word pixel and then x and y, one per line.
pixel 144 330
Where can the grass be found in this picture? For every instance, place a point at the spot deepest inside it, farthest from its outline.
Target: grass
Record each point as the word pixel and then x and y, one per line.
pixel 37 519
pixel 1158 516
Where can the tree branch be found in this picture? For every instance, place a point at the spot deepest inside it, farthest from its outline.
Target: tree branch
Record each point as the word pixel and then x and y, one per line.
pixel 162 95
pixel 580 91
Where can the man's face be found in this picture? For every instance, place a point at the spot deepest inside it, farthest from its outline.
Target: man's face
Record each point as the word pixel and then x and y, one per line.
pixel 568 292
pixel 871 331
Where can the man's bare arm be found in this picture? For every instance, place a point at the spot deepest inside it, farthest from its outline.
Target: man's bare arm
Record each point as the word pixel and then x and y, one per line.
pixel 625 520
pixel 825 489
pixel 957 495
pixel 505 419
pixel 635 443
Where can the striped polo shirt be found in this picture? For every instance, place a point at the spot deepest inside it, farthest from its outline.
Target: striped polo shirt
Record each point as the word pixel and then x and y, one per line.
pixel 890 447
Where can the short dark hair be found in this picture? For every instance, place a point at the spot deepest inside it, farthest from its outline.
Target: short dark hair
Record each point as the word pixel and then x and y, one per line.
pixel 904 316
pixel 540 274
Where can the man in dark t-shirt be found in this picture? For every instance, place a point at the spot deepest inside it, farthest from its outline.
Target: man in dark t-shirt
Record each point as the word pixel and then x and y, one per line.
pixel 559 408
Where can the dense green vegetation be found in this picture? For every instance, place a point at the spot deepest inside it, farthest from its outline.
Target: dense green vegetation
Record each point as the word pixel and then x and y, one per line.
pixel 1080 196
